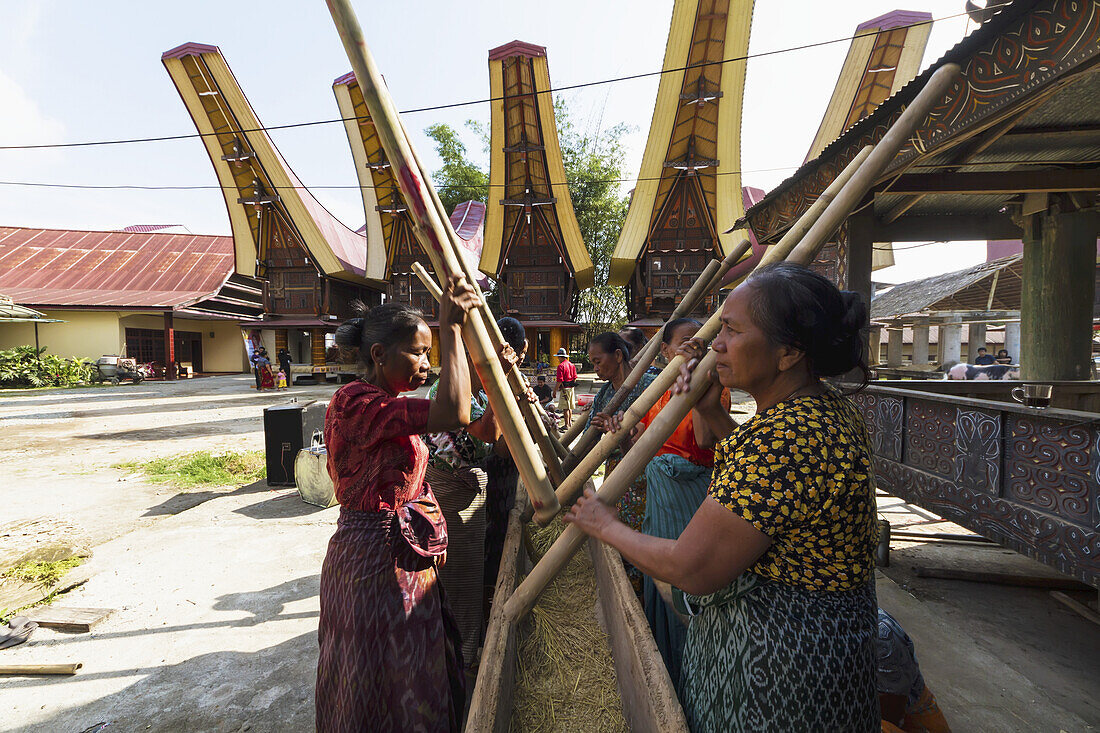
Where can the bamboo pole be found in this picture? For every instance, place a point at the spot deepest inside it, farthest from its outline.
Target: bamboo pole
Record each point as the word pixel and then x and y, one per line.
pixel 655 435
pixel 37 669
pixel 783 247
pixel 710 279
pixel 427 281
pixel 432 234
pixel 574 430
pixel 532 413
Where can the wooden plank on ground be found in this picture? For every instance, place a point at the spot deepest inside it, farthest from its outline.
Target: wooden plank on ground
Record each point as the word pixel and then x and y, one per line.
pixel 69 619
pixel 985 576
pixel 26 670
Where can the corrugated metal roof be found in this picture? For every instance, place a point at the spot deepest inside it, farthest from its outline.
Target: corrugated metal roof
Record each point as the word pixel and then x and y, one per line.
pixel 54 267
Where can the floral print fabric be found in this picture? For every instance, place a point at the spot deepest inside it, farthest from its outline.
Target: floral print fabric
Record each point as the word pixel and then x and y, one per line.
pixel 800 472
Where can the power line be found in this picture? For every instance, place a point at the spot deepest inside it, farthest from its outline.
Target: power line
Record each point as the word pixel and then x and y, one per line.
pixel 213 187
pixel 454 105
pixel 891 248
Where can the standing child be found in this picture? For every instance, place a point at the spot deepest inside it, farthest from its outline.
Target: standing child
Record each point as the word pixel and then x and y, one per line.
pixel 280 381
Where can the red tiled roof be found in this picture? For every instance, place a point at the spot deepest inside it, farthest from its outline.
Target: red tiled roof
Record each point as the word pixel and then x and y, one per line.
pixel 147 228
pixel 54 267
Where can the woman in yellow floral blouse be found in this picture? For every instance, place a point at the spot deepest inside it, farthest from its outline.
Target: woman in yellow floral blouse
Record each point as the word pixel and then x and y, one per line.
pixel 776 565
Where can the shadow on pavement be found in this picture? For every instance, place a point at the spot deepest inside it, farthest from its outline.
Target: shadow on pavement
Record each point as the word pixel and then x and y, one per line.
pixel 283 506
pixel 269 689
pixel 168 432
pixel 185 500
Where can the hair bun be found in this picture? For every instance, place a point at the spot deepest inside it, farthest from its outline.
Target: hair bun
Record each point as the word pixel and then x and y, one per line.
pixel 854 318
pixel 349 334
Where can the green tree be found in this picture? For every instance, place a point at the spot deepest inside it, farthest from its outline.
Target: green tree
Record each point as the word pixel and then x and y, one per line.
pixel 459 179
pixel 594 160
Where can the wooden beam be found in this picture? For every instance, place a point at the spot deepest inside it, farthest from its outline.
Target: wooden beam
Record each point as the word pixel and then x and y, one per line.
pixel 1055 130
pixel 995 182
pixel 967 149
pixel 947 228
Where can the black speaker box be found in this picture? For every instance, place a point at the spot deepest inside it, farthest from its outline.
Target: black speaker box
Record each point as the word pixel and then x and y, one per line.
pixel 287 429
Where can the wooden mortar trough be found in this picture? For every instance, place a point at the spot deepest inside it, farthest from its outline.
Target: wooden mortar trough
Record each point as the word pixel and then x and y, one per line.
pixel 645 691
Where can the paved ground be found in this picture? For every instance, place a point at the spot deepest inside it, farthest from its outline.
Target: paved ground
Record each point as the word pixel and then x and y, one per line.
pixel 216 590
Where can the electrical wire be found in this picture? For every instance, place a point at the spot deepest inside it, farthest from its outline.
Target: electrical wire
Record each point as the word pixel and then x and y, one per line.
pixel 214 187
pixel 476 187
pixel 454 105
pixel 891 248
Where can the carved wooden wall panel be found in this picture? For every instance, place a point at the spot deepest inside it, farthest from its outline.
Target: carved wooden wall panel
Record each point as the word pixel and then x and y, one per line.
pixel 1026 479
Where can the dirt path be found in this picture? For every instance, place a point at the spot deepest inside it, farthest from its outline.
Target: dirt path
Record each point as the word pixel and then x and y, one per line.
pixel 61 444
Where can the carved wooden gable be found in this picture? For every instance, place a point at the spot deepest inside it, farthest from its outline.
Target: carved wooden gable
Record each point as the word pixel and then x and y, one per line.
pixel 680 245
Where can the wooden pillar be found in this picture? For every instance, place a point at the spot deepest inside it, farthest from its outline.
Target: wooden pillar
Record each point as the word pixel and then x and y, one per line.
pixel 975 339
pixel 1059 288
pixel 556 343
pixel 874 342
pixel 920 343
pixel 169 346
pixel 894 356
pixel 282 340
pixel 1012 341
pixel 861 249
pixel 950 342
pixel 317 346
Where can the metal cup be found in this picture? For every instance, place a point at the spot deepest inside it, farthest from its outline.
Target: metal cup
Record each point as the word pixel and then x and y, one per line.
pixel 1033 395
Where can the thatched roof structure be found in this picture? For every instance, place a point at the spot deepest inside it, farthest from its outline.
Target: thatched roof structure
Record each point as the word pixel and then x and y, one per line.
pixel 962 290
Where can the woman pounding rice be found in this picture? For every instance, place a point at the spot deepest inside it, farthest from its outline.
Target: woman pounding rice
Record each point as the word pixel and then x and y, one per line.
pixel 465 479
pixel 390 657
pixel 777 562
pixel 676 484
pixel 610 356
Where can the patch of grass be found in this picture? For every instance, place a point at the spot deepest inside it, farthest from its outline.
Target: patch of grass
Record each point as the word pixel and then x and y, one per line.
pixel 202 468
pixel 46 574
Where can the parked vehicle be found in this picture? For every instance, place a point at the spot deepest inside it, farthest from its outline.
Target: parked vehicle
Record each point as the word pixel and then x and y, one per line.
pixel 113 369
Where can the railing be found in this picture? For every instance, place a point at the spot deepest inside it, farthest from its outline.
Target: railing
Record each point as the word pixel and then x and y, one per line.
pixel 1082 396
pixel 1026 478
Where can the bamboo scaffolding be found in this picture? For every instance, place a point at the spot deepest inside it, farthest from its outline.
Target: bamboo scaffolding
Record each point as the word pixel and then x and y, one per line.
pixel 655 435
pixel 432 234
pixel 710 279
pixel 552 450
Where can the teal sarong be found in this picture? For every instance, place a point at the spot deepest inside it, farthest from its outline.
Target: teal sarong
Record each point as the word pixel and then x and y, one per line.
pixel 675 489
pixel 766 656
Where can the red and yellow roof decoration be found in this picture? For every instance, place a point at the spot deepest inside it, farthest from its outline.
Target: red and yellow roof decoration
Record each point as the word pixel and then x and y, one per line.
pixel 263 196
pixel 696 126
pixel 525 165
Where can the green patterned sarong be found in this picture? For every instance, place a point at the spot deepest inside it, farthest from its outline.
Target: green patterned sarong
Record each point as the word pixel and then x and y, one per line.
pixel 766 656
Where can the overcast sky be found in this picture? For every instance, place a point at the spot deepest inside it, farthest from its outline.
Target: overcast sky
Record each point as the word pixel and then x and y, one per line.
pixel 75 71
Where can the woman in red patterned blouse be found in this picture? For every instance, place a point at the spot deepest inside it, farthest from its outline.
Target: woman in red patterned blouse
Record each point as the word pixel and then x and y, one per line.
pixel 390 658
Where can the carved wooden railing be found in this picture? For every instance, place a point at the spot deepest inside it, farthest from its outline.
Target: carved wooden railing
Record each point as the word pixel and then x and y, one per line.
pixel 1025 478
